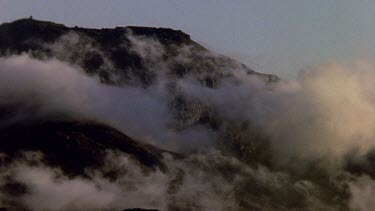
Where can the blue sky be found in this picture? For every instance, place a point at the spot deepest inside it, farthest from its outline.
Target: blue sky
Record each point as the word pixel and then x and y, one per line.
pixel 273 36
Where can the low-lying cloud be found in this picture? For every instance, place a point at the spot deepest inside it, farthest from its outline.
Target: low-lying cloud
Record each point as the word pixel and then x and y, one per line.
pixel 54 89
pixel 200 182
pixel 326 112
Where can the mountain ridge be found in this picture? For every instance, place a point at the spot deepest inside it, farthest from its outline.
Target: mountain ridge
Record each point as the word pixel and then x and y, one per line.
pixel 25 35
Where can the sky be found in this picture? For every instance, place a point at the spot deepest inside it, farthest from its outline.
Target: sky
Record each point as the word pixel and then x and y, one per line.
pixel 280 37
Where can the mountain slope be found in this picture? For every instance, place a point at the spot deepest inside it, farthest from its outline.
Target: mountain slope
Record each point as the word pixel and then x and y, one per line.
pixel 74 146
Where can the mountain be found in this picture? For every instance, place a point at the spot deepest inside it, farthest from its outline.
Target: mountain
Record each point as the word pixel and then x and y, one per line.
pixel 141 117
pixel 124 56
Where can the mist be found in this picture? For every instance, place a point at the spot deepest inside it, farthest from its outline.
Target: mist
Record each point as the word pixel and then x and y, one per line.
pixel 54 89
pixel 323 116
